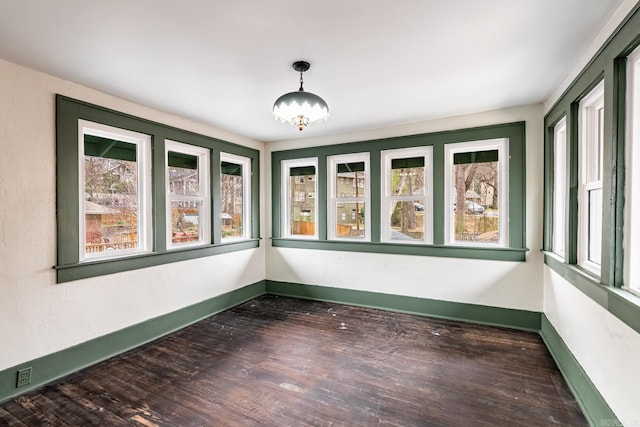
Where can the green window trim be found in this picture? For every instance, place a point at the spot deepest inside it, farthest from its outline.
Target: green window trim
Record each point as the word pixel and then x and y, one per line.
pixel 516 250
pixel 68 266
pixel 608 64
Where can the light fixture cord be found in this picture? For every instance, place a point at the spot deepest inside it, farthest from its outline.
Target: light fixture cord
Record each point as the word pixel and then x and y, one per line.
pixel 301 89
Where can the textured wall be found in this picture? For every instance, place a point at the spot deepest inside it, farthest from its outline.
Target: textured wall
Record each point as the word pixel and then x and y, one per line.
pixel 39 317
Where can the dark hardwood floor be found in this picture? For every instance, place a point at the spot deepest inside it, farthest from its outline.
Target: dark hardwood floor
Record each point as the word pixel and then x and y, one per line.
pixel 285 362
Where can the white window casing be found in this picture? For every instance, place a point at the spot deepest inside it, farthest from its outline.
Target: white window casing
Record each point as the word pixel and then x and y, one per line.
pixel 422 197
pixel 590 168
pixel 501 146
pixel 361 197
pixel 245 165
pixel 293 197
pixel 559 187
pixel 142 229
pixel 631 237
pixel 199 199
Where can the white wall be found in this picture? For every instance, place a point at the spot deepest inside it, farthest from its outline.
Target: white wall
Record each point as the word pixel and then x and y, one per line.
pixel 606 348
pixel 38 316
pixel 493 283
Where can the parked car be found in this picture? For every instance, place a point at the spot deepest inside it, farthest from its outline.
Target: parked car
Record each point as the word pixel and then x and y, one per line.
pixel 419 207
pixel 473 207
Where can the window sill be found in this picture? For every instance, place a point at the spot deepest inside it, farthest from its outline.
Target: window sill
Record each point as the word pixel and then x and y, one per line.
pixel 68 273
pixel 481 252
pixel 621 303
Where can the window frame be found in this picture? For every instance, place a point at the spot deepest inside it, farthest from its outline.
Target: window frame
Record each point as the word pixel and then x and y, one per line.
pixel 245 164
pixel 502 146
pixel 609 64
pixel 559 187
pixel 590 136
pixel 333 198
pixel 286 166
pixel 204 193
pixel 516 250
pixel 143 154
pixel 387 157
pixel 631 238
pixel 68 263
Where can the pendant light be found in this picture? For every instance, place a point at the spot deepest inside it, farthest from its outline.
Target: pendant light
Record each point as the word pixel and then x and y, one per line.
pixel 300 108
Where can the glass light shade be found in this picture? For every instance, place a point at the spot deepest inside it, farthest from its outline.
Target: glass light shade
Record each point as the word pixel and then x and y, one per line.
pixel 300 109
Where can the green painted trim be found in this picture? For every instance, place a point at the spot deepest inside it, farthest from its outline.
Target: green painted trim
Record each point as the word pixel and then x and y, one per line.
pixel 68 112
pixel 618 180
pixel 496 254
pixel 68 273
pixel 548 187
pixel 591 402
pixel 608 64
pixel 57 365
pixel 609 157
pixel 497 316
pixel 622 304
pixel 515 132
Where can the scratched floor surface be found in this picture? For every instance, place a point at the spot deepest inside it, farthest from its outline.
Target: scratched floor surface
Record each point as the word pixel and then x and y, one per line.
pixel 286 362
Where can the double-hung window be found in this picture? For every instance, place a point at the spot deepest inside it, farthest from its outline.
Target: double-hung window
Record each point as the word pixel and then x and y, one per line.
pixel 559 187
pixel 235 192
pixel 188 195
pixel 477 193
pixel 115 191
pixel 130 196
pixel 348 216
pixel 399 195
pixel 590 168
pixel 299 201
pixel 632 199
pixel 407 198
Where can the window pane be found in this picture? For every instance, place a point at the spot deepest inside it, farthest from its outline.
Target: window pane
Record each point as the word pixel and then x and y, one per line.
pixel 559 186
pixel 476 206
pixel 590 168
pixel 407 176
pixel 110 195
pixel 350 180
pixel 302 213
pixel 350 220
pixel 632 182
pixel 183 174
pixel 407 220
pixel 188 195
pixel 185 220
pixel 232 194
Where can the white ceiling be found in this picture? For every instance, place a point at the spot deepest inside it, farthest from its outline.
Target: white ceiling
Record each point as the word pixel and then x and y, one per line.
pixel 376 63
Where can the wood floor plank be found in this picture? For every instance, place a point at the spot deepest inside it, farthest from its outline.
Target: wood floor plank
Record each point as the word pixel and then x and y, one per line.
pixel 282 361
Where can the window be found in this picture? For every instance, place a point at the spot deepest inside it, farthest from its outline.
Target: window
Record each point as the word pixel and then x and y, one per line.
pixel 391 198
pixel 129 196
pixel 476 193
pixel 235 196
pixel 300 206
pixel 590 153
pixel 115 179
pixel 559 186
pixel 632 209
pixel 407 196
pixel 348 208
pixel 188 200
pixel 602 199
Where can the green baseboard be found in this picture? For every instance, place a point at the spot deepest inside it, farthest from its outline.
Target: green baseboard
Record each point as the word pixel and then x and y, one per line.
pixel 591 402
pixel 57 365
pixel 497 316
